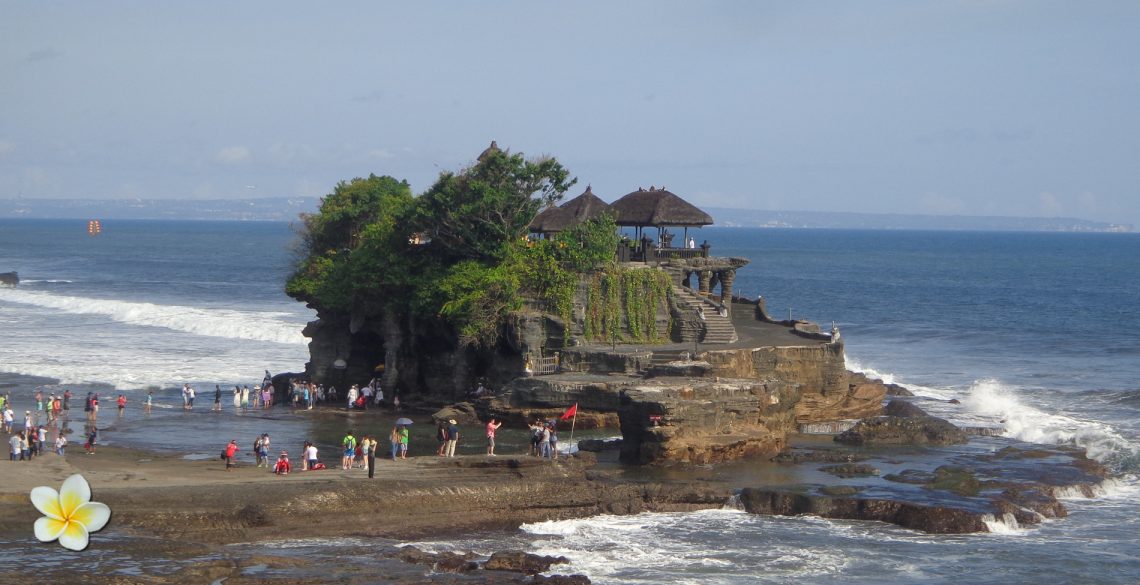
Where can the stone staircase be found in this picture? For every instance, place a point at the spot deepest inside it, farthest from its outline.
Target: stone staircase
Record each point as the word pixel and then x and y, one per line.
pixel 715 330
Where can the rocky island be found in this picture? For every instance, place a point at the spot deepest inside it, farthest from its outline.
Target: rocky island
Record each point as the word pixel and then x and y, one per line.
pixel 484 281
pixel 646 337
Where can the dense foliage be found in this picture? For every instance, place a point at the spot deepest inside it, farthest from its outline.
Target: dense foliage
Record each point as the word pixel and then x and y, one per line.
pixel 458 252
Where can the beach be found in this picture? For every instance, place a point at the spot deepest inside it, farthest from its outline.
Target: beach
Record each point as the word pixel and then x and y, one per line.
pixel 164 505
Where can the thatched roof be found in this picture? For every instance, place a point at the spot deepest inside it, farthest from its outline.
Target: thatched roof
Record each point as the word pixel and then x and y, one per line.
pixel 551 220
pixel 585 206
pixel 657 208
pixel 490 149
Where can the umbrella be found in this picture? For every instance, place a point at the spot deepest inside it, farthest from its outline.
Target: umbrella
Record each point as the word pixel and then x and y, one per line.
pixel 403 421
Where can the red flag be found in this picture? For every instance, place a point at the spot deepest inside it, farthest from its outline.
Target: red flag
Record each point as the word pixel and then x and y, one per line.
pixel 570 412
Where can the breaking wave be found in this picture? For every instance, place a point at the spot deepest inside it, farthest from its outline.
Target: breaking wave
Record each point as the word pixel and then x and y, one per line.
pixel 226 323
pixel 992 399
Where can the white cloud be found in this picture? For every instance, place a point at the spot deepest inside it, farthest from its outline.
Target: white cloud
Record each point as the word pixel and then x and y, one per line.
pixel 232 155
pixel 288 154
pixel 1049 204
pixel 310 188
pixel 940 204
pixel 381 154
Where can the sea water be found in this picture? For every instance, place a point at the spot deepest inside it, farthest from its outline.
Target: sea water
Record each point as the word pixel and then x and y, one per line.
pixel 1037 333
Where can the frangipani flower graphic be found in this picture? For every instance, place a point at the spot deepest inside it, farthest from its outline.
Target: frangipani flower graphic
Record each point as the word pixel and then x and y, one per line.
pixel 69 514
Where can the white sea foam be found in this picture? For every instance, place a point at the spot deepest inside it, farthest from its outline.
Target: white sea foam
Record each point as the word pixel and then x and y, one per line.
pixel 1007 524
pixel 251 325
pixel 997 402
pixel 889 378
pixel 990 402
pixel 692 547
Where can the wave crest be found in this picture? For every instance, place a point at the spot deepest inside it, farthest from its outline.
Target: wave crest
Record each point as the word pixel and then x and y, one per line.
pixel 232 324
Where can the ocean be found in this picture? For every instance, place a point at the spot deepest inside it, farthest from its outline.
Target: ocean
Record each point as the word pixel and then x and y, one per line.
pixel 1038 333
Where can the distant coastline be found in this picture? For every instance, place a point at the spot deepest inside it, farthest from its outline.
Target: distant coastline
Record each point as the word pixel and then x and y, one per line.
pixel 288 208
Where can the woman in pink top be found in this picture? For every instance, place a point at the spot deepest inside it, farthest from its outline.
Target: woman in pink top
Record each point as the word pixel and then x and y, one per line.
pixel 492 426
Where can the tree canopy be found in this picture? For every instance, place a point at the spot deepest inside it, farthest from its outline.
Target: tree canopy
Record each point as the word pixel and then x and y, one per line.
pixel 458 252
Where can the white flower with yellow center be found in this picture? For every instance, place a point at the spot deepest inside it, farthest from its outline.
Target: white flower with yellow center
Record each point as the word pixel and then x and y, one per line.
pixel 69 514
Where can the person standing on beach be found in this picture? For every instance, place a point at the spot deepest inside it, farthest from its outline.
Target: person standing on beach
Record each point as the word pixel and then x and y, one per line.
pixel 185 396
pixel 441 434
pixel 257 450
pixel 9 416
pixel 122 403
pixel 149 401
pixel 217 398
pixel 245 396
pixel 404 434
pixel 369 446
pixel 544 443
pixel 394 439
pixel 492 426
pixel 25 447
pixel 229 453
pixel 66 400
pixel 352 394
pixel 60 443
pixel 237 397
pixel 89 446
pixel 349 444
pixel 190 395
pixel 452 437
pixel 41 439
pixel 15 451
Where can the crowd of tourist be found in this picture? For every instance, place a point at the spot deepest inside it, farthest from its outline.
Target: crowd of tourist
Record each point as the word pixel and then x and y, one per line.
pixel 46 426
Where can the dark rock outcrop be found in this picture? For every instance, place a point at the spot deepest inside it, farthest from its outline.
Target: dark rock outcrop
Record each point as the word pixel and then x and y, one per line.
pixel 904 409
pixel 894 430
pixel 9 278
pixel 444 562
pixel 930 519
pixel 521 562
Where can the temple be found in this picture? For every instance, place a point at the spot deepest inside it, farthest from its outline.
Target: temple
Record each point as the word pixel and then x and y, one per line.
pixel 701 283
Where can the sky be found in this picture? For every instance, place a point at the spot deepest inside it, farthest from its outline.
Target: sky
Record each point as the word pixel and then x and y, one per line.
pixel 983 107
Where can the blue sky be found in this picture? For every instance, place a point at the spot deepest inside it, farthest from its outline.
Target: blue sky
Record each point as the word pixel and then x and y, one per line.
pixel 1022 108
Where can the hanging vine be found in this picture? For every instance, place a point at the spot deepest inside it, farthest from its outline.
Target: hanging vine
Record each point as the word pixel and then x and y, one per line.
pixel 622 305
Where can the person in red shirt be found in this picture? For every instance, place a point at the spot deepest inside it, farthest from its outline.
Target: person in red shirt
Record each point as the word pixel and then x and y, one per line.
pixel 122 402
pixel 282 467
pixel 229 453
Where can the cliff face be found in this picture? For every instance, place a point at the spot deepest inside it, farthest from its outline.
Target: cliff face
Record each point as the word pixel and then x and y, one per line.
pixel 417 356
pixel 745 402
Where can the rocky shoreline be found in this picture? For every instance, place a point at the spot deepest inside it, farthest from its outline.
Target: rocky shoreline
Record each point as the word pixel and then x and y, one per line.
pixel 184 510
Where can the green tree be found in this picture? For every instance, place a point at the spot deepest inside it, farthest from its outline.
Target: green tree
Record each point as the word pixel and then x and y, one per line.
pixel 473 214
pixel 358 214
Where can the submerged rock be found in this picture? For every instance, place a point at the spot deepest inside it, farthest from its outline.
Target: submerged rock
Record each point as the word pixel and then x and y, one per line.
pixel 942 490
pixel 894 430
pixel 521 562
pixel 850 469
